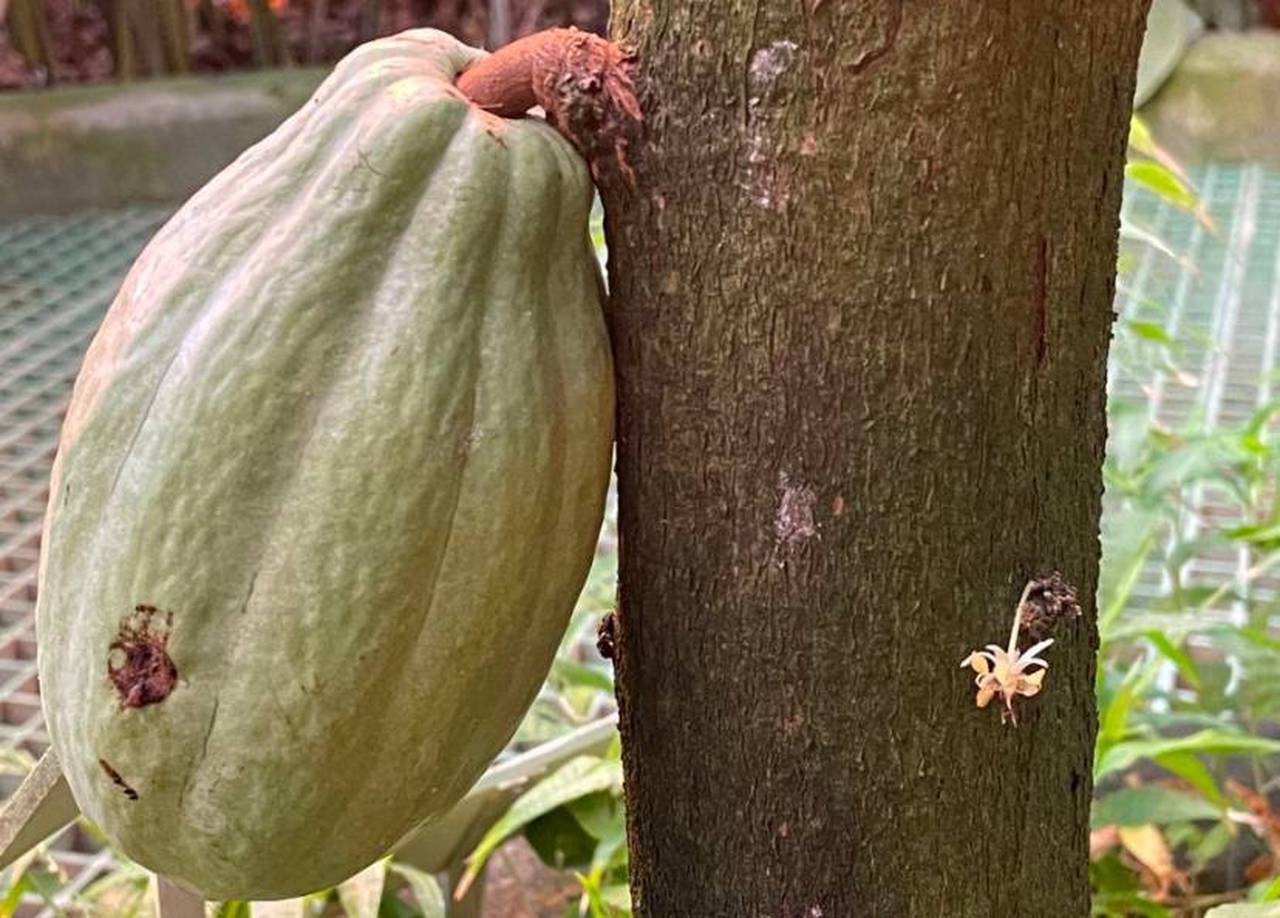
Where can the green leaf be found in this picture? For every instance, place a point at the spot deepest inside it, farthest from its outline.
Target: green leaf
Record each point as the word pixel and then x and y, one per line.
pixel 1189 768
pixel 1271 891
pixel 1127 578
pixel 576 778
pixel 1114 718
pixel 1212 844
pixel 1151 331
pixel 1162 182
pixel 559 840
pixel 1127 905
pixel 18 885
pixel 581 674
pixel 1124 754
pixel 617 896
pixel 1140 139
pixel 1177 655
pixel 1246 910
pixel 1139 806
pixel 426 891
pixel 612 847
pixel 1257 534
pixel 1136 233
pixel 598 814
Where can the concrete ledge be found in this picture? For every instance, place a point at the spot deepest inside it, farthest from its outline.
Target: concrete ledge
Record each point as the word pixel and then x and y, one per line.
pixel 69 149
pixel 1222 103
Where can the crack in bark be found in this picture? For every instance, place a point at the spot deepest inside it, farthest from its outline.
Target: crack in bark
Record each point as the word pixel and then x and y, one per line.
pixel 871 55
pixel 1040 301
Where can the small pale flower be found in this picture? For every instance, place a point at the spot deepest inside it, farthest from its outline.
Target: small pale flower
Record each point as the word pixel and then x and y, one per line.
pixel 1007 672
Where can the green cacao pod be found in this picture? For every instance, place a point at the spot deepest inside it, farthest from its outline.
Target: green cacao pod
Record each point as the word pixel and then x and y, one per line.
pixel 329 484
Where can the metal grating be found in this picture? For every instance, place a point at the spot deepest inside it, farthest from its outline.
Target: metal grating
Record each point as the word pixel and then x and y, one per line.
pixel 1224 313
pixel 57 277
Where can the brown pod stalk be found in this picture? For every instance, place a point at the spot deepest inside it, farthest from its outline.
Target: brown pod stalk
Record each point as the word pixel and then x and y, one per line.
pixel 582 81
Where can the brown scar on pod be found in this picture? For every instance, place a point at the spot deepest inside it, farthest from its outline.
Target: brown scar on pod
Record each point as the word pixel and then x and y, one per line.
pixel 138 661
pixel 117 780
pixel 582 81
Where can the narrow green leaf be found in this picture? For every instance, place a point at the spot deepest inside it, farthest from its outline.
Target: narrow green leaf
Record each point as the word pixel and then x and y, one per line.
pixel 617 896
pixel 576 778
pixel 1163 183
pixel 581 674
pixel 1188 767
pixel 597 814
pixel 18 886
pixel 1151 331
pixel 1140 139
pixel 1130 574
pixel 1246 910
pixel 1177 655
pixel 1135 233
pixel 608 849
pixel 1208 846
pixel 1139 806
pixel 426 891
pixel 1124 754
pixel 1115 716
pixel 1257 533
pixel 1270 892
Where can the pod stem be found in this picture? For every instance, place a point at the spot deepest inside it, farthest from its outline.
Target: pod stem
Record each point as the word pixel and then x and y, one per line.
pixel 583 83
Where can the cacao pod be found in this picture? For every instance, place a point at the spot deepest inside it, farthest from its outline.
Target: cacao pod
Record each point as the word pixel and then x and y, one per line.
pixel 329 484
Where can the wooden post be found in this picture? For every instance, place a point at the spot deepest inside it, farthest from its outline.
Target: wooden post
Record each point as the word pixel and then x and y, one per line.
pixel 41 806
pixel 172 901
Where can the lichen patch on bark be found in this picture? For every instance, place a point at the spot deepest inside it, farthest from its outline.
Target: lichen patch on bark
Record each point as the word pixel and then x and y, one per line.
pixel 138 661
pixel 765 181
pixel 795 522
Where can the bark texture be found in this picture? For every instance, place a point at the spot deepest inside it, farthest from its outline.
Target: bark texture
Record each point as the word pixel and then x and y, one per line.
pixel 861 305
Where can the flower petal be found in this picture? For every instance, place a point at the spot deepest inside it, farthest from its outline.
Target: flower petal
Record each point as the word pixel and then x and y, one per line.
pixel 1003 671
pixel 1032 653
pixel 985 694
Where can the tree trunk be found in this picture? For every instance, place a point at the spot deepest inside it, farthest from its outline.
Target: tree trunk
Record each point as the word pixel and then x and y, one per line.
pixel 861 303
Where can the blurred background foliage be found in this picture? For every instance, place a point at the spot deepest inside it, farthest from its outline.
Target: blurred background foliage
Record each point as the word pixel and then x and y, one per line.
pixel 72 41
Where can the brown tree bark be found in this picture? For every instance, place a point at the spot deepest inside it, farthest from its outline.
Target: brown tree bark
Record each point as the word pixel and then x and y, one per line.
pixel 861 304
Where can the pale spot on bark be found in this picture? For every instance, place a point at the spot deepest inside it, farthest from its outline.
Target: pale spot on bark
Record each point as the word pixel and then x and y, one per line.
pixel 768 63
pixel 794 523
pixel 764 186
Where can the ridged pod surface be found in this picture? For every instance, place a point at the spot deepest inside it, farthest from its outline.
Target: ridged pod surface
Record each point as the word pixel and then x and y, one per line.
pixel 329 484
